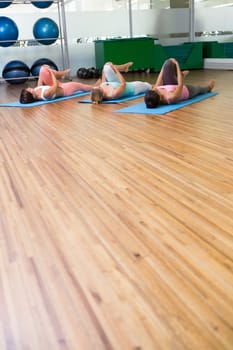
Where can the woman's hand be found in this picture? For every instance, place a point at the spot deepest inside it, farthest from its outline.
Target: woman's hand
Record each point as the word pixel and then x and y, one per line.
pixel 174 60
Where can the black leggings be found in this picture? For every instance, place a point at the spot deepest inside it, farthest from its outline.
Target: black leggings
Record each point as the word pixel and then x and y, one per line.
pixel 170 78
pixel 197 90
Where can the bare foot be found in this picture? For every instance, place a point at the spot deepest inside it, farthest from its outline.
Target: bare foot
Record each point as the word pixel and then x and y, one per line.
pixel 211 84
pixel 65 72
pixel 185 73
pixel 127 65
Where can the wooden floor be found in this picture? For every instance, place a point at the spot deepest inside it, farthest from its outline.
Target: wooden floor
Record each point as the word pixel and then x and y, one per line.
pixel 116 230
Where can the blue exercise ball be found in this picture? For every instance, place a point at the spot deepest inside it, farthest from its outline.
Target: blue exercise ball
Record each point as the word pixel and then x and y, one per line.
pixel 5 3
pixel 45 31
pixel 42 4
pixel 35 68
pixel 16 72
pixel 8 31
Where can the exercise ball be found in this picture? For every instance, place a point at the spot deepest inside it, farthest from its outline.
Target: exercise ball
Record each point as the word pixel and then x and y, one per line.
pixel 42 4
pixel 45 31
pixel 35 68
pixel 5 3
pixel 8 31
pixel 16 72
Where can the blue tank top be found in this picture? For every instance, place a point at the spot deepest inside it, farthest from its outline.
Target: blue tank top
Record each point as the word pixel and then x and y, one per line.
pixel 129 88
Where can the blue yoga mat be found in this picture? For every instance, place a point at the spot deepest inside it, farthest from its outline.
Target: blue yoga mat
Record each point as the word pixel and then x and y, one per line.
pixel 141 108
pixel 122 99
pixel 42 102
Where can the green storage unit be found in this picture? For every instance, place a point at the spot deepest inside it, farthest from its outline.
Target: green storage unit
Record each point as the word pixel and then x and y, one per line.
pixel 189 55
pixel 211 49
pixel 214 49
pixel 139 50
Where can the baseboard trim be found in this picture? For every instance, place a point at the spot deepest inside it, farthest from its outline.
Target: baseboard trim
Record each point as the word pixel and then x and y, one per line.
pixel 218 63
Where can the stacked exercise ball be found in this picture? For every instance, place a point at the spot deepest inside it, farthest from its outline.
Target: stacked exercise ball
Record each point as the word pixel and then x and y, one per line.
pixel 45 31
pixel 8 31
pixel 5 3
pixel 35 68
pixel 42 4
pixel 16 72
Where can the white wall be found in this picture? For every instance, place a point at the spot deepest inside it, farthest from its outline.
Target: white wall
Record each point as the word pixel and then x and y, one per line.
pixel 160 23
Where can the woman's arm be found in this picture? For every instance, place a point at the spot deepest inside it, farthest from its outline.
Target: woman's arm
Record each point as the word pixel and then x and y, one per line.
pixel 53 89
pixel 159 80
pixel 174 96
pixel 117 92
pixel 40 79
pixel 103 77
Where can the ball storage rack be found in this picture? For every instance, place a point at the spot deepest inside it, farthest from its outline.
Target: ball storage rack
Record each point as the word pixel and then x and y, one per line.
pixel 61 41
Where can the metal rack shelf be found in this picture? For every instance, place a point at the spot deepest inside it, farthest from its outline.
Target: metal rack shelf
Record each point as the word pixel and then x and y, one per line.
pixel 61 41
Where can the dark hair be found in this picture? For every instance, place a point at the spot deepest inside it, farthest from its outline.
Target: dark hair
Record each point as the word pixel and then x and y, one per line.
pixel 152 99
pixel 96 95
pixel 26 97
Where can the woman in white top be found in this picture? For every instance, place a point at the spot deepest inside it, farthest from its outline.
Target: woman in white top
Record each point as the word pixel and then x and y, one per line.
pixel 49 87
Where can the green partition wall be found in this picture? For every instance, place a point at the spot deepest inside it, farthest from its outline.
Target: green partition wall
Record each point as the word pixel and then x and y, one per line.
pixel 214 49
pixel 189 55
pixel 146 53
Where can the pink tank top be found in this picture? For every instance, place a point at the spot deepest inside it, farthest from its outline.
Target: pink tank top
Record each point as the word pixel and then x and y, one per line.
pixel 170 88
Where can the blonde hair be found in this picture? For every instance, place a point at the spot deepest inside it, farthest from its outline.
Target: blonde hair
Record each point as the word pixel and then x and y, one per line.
pixel 96 95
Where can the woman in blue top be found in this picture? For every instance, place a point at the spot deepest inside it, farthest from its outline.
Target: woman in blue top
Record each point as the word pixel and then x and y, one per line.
pixel 112 84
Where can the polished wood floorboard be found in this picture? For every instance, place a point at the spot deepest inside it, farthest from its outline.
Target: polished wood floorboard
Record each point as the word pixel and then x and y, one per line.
pixel 116 230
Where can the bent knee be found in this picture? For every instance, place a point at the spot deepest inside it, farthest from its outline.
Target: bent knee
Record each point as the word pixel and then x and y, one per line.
pixel 108 67
pixel 44 68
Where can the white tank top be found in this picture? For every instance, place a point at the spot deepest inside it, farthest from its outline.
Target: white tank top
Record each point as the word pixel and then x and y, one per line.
pixel 44 88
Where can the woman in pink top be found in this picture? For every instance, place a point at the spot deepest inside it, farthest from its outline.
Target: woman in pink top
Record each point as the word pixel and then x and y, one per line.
pixel 170 88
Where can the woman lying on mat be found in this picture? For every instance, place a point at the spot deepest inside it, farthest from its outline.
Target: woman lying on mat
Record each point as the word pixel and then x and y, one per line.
pixel 112 84
pixel 49 87
pixel 170 88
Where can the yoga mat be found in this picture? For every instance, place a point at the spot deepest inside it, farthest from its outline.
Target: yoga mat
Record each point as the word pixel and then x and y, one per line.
pixel 122 99
pixel 141 108
pixel 42 102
